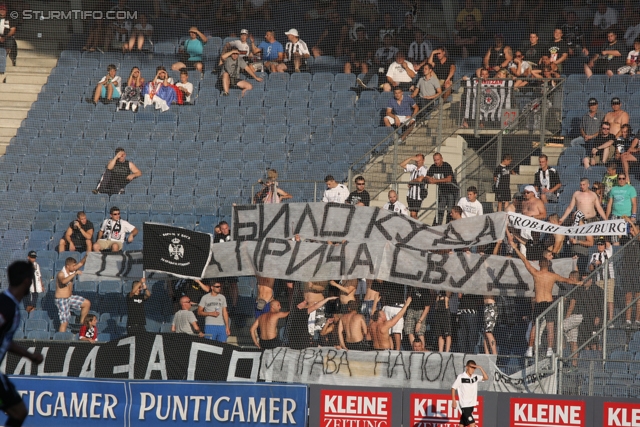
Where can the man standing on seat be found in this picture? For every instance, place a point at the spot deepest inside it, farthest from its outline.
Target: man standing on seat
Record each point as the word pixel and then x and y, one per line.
pixel 213 307
pixel 64 298
pixel 78 235
pixel 417 189
pixel 113 232
pixel 20 275
pixel 119 173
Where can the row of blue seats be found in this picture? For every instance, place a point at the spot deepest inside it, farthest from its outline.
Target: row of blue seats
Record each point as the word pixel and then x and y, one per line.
pixel 602 83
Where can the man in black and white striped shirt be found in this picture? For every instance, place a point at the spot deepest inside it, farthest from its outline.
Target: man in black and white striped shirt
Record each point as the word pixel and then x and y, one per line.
pixel 420 50
pixel 417 189
pixel 295 53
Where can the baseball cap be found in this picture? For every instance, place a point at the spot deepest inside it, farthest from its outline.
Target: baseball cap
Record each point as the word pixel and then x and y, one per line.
pixel 32 254
pixel 292 32
pixel 593 101
pixel 601 241
pixel 615 100
pixel 3 7
pixel 532 189
pixel 244 31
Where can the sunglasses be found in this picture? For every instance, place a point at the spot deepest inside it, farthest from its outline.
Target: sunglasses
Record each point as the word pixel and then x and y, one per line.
pixel 116 214
pixel 621 178
pixel 359 183
pixel 215 286
pixel 605 128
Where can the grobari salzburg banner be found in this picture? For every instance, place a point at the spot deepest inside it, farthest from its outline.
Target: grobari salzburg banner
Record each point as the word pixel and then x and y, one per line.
pixel 365 243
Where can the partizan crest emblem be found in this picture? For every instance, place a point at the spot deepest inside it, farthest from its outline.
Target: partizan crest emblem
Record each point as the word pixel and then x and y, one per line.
pixel 176 250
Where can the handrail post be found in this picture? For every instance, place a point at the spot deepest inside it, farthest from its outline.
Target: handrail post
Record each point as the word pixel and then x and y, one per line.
pixel 605 314
pixel 315 191
pixel 536 346
pixel 395 161
pixel 476 116
pixel 440 114
pixel 559 343
pixel 349 179
pixel 543 120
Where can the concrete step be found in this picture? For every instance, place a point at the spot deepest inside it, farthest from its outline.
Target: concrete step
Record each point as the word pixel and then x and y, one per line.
pixel 10 132
pixel 10 123
pixel 32 62
pixel 17 105
pixel 31 79
pixel 521 179
pixel 19 114
pixel 13 96
pixel 20 88
pixel 4 141
pixel 22 68
pixel 528 170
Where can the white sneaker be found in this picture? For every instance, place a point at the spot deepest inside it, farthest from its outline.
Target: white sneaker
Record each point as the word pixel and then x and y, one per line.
pixel 529 352
pixel 549 352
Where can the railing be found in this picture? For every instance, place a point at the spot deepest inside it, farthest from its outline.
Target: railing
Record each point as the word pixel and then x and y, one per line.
pixel 600 338
pixel 534 117
pixel 440 118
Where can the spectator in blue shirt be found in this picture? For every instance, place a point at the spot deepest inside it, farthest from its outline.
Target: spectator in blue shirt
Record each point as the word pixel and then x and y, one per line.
pixel 191 52
pixel 401 110
pixel 271 50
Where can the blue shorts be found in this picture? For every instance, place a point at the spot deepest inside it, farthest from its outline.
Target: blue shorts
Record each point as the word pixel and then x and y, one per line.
pixel 115 95
pixel 217 332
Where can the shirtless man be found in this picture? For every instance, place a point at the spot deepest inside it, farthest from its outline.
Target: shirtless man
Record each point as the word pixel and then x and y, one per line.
pixel 265 294
pixel 617 117
pixel 380 326
pixel 586 203
pixel 353 325
pixel 543 281
pixel 347 292
pixel 532 206
pixel 268 324
pixel 64 298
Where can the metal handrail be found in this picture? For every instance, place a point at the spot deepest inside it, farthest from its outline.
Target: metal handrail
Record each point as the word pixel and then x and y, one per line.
pixel 394 133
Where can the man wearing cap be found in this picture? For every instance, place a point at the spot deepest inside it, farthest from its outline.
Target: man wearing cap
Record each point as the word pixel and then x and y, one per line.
pixel 78 235
pixel 616 117
pixel 7 33
pixel 336 193
pixel 271 50
pixel 590 123
pixel 497 57
pixel 295 53
pixel 532 205
pixel 231 69
pixel 36 284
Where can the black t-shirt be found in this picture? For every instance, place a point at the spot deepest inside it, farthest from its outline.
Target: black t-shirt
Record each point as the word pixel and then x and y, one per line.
pixel 420 298
pixel 221 238
pixel 299 337
pixel 361 48
pixel 471 302
pixel 614 62
pixel 533 53
pixel 356 197
pixel 392 294
pixel 555 50
pixel 76 236
pixel 596 142
pixel 442 70
pixel 189 288
pixel 504 178
pixel 623 144
pixel 444 171
pixel 135 310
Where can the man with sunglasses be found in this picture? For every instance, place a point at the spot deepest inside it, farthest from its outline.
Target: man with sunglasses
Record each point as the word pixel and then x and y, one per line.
pixel 598 146
pixel 359 197
pixel 622 200
pixel 113 232
pixel 213 307
pixel 617 116
pixel 466 384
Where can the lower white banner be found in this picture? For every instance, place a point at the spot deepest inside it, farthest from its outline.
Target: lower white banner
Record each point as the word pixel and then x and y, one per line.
pixel 385 368
pixel 615 227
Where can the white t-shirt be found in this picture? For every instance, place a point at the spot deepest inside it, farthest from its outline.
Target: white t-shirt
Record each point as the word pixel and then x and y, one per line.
pixel 241 47
pixel 470 209
pixel 122 37
pixel 398 73
pixel 189 87
pixel 337 194
pixel 115 230
pixel 36 283
pixel 398 207
pixel 467 387
pixel 633 56
pixel 117 81
pixel 605 20
pixel 147 27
